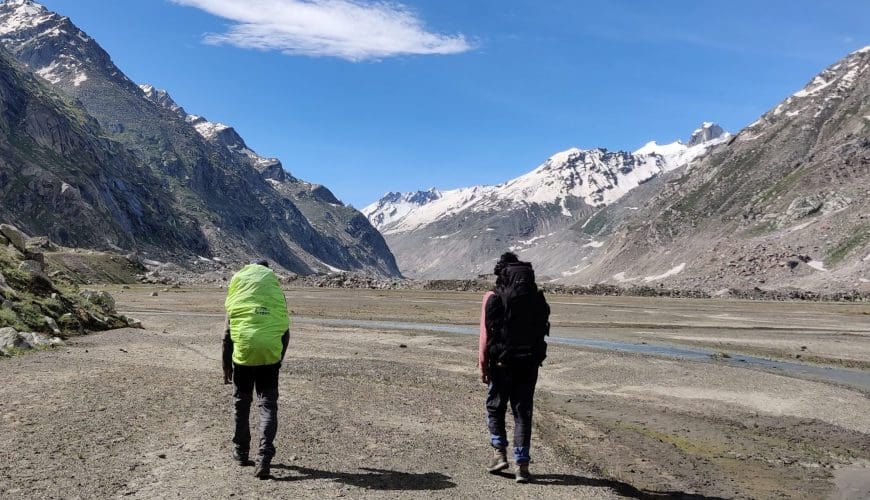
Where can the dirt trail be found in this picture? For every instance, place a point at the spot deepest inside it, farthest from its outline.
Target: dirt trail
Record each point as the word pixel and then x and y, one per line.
pixel 143 414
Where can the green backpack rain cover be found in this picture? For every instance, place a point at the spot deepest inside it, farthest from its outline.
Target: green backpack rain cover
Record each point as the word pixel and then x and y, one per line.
pixel 258 317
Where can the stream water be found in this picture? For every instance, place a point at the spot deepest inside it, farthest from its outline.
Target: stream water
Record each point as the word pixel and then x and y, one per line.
pixel 856 379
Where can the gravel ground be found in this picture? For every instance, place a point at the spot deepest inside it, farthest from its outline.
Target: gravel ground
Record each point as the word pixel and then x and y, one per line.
pixel 398 414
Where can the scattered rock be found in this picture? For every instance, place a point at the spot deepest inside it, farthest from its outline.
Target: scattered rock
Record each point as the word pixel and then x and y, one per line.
pixel 15 236
pixel 154 294
pixel 125 287
pixel 403 346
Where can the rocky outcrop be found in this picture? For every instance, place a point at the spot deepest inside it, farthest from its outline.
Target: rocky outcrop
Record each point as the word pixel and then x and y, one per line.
pixel 35 308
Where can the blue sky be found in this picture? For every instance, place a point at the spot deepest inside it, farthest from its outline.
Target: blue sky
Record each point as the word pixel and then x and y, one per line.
pixel 370 97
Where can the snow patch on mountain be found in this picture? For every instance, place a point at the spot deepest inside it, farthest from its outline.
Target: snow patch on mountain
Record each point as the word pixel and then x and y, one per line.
pixel 671 272
pixel 208 130
pixel 677 154
pixel 162 98
pixel 394 206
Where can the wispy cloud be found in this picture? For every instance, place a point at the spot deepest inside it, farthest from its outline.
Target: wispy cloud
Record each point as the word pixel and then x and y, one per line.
pixel 350 29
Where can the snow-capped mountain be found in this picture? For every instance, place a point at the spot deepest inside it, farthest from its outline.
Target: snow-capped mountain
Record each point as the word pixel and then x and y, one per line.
pixel 536 207
pixel 233 203
pixel 596 177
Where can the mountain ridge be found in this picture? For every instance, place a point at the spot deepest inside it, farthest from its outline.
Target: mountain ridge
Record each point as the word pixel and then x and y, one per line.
pixel 229 196
pixel 567 187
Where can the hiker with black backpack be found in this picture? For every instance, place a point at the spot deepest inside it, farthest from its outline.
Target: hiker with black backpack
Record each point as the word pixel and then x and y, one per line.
pixel 514 321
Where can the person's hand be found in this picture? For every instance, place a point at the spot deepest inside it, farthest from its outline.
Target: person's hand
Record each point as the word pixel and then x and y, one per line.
pixel 484 377
pixel 228 376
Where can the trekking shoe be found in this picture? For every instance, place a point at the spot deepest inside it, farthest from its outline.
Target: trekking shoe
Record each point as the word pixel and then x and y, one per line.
pixel 242 458
pixel 499 461
pixel 522 474
pixel 264 469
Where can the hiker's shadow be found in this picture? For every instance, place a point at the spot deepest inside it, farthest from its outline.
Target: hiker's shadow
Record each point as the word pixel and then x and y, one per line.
pixel 371 479
pixel 621 489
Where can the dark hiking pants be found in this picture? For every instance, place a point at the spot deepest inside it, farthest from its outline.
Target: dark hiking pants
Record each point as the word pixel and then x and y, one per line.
pixel 265 380
pixel 514 386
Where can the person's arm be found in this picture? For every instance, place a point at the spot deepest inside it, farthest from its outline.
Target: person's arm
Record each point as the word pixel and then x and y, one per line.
pixel 285 341
pixel 228 355
pixel 481 346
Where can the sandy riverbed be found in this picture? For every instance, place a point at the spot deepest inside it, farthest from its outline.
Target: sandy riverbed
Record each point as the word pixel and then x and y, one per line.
pixel 143 413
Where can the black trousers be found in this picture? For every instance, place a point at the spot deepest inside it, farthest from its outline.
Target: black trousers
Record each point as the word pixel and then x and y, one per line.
pixel 265 380
pixel 515 386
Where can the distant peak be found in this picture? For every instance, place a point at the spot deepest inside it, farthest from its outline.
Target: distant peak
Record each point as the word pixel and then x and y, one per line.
pixel 708 131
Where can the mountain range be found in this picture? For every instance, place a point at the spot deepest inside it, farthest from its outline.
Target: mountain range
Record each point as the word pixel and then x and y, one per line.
pixel 105 163
pixel 783 203
pixel 535 212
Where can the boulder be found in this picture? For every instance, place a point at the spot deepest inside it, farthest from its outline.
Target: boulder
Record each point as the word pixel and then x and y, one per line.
pixel 36 257
pixel 52 324
pixel 15 236
pixel 134 323
pixel 41 339
pixel 4 240
pixel 4 287
pixel 11 339
pixel 103 300
pixel 39 243
pixel 32 267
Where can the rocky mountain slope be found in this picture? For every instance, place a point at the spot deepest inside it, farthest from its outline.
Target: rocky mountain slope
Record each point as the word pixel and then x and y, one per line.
pixel 785 203
pixel 212 196
pixel 459 233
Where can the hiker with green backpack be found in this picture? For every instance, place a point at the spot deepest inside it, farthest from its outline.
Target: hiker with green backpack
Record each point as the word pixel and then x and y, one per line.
pixel 514 321
pixel 257 334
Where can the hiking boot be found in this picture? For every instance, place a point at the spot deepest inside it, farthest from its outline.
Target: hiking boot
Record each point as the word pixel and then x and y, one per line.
pixel 522 474
pixel 264 468
pixel 499 460
pixel 242 458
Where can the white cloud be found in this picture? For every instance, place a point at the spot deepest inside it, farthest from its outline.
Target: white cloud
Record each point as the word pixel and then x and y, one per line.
pixel 349 29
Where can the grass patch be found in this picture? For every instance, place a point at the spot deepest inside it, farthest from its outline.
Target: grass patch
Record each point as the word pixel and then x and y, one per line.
pixel 695 447
pixel 860 239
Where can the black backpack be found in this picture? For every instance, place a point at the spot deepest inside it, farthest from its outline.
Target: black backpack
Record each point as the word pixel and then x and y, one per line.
pixel 525 321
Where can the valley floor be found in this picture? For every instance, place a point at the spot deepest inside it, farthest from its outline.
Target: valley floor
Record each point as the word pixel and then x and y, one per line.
pixel 370 409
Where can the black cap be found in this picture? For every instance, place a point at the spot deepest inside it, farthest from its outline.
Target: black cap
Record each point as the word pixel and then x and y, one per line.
pixel 261 262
